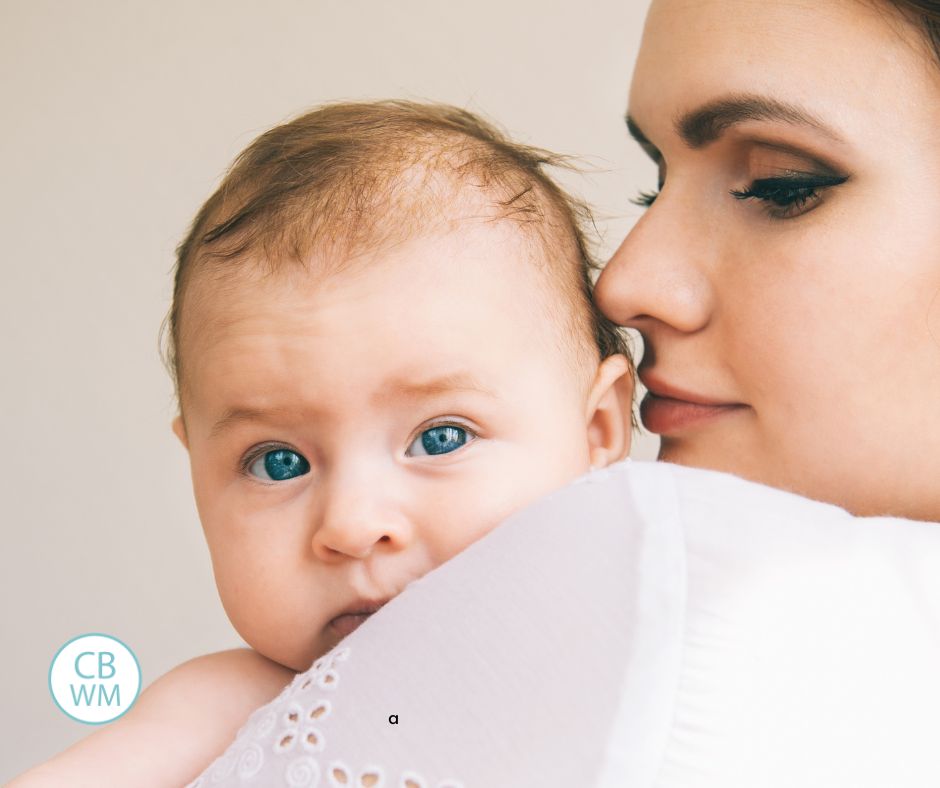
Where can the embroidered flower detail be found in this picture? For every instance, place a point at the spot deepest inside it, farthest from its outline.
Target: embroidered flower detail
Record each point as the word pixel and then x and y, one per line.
pixel 250 761
pixel 285 741
pixel 311 739
pixel 319 710
pixel 302 773
pixel 265 724
pixel 412 780
pixel 290 719
pixel 339 774
pixel 292 715
pixel 283 723
pixel 321 673
pixel 371 777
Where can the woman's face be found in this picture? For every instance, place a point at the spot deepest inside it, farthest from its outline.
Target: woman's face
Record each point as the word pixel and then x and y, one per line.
pixel 786 280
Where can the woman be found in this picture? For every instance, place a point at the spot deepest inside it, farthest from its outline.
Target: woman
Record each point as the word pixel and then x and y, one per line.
pixel 787 278
pixel 656 625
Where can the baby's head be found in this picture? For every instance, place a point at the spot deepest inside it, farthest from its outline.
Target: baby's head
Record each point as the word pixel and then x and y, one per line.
pixel 383 343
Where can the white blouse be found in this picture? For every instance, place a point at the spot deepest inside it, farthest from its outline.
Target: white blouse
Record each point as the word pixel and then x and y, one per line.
pixel 649 626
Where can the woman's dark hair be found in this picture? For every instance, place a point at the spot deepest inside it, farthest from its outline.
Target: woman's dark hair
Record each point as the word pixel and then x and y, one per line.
pixel 925 14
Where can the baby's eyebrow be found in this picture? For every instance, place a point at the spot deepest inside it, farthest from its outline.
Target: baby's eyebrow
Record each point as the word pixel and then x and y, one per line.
pixel 235 415
pixel 407 387
pixel 441 384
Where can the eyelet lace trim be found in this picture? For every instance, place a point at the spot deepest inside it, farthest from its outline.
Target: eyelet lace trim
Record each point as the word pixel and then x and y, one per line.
pixel 295 736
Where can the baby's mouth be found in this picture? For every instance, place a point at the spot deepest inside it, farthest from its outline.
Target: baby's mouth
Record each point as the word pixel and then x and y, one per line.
pixel 354 615
pixel 348 623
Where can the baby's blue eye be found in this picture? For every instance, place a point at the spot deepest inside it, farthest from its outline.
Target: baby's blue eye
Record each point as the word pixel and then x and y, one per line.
pixel 279 465
pixel 438 440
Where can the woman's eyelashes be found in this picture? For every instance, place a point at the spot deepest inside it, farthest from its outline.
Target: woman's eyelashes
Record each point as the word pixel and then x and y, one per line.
pixel 440 439
pixel 645 199
pixel 784 197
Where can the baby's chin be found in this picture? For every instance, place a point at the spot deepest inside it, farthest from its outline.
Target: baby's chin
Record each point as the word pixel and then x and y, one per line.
pixel 297 657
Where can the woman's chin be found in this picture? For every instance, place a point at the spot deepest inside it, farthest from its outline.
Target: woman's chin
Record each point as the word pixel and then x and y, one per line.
pixel 724 453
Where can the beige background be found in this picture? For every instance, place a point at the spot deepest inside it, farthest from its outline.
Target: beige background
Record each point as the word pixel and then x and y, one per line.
pixel 119 119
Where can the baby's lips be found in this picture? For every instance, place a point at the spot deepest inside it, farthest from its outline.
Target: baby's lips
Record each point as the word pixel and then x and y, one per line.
pixel 348 623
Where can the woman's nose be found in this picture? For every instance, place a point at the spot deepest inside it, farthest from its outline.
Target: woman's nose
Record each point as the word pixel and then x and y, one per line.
pixel 355 519
pixel 660 274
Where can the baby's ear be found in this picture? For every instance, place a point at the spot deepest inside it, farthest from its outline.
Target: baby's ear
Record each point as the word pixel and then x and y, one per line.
pixel 610 411
pixel 179 428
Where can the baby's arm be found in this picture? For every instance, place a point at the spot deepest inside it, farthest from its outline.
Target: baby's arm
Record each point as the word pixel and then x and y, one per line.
pixel 178 725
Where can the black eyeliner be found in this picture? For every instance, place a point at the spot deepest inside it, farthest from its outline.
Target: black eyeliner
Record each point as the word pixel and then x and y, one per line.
pixel 769 188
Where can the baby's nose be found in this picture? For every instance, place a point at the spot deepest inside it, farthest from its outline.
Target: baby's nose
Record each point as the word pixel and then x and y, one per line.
pixel 354 523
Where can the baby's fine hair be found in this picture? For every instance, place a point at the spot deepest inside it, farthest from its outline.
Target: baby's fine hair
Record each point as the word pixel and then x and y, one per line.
pixel 353 176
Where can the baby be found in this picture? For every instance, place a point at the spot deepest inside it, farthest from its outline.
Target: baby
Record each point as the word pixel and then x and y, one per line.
pixel 383 344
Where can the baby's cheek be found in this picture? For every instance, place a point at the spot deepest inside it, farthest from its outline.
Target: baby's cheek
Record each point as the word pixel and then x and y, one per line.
pixel 250 595
pixel 479 506
pixel 528 481
pixel 272 623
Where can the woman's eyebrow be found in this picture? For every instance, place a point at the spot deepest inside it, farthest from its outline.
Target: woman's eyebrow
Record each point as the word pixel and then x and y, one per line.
pixel 707 123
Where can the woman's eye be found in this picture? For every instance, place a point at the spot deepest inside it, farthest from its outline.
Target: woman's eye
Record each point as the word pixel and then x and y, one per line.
pixel 786 198
pixel 279 465
pixel 441 439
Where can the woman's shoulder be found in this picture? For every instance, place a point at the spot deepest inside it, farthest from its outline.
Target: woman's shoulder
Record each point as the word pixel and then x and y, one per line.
pixel 661 489
pixel 632 490
pixel 713 518
pixel 718 489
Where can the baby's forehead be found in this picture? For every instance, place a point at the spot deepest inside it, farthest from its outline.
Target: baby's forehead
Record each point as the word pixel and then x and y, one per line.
pixel 480 279
pixel 506 250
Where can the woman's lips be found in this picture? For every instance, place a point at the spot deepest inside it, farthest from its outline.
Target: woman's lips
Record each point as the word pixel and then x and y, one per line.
pixel 348 622
pixel 667 415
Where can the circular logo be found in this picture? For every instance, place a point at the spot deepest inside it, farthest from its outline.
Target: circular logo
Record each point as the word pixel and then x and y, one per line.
pixel 94 678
